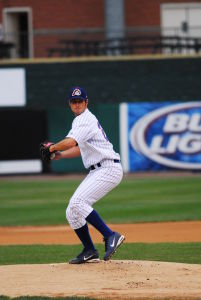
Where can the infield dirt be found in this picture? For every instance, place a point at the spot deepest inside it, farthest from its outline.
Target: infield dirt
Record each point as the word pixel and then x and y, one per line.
pixel 142 232
pixel 105 280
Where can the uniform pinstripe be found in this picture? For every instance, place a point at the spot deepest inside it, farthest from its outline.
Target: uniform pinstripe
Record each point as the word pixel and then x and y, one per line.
pixel 95 148
pixel 92 140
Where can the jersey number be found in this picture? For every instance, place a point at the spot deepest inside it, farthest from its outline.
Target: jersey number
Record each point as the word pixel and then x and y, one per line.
pixel 103 132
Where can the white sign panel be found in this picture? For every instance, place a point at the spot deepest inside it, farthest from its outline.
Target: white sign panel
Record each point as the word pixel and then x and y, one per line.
pixel 12 87
pixel 20 166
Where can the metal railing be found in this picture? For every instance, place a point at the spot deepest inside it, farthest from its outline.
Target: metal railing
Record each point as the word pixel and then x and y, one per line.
pixel 93 42
pixel 126 46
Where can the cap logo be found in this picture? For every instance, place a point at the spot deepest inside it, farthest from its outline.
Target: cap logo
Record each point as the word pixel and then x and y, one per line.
pixel 76 92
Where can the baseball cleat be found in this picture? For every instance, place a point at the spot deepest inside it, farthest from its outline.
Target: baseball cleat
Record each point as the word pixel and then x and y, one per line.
pixel 86 256
pixel 112 243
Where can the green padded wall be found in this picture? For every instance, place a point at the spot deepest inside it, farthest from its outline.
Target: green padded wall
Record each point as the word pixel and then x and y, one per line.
pixel 113 81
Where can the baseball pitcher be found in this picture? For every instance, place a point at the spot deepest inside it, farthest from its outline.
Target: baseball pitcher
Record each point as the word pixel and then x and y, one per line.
pixel 88 139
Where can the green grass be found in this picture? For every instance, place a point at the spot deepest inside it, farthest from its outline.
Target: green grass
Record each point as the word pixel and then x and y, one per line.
pixel 39 254
pixel 134 200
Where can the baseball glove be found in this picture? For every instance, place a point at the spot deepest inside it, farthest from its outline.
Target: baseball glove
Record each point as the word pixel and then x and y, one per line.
pixel 45 153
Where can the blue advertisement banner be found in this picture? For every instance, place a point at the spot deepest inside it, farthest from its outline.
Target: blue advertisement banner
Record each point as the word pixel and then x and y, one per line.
pixel 164 136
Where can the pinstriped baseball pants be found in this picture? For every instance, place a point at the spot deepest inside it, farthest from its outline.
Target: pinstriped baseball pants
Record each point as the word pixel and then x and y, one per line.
pixel 96 185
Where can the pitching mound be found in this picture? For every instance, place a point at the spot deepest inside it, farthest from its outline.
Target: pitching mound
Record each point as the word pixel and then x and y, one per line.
pixel 111 280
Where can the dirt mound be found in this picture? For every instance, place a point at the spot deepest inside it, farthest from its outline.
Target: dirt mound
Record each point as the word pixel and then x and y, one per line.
pixel 111 280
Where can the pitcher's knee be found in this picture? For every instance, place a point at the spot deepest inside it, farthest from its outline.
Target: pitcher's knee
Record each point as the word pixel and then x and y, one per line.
pixel 74 216
pixel 77 211
pixel 72 212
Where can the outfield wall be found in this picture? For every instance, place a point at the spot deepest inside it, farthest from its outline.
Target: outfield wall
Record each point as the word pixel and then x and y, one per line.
pixel 36 108
pixel 123 79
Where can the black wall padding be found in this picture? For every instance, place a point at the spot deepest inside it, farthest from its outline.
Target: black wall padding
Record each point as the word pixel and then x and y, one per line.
pixel 21 133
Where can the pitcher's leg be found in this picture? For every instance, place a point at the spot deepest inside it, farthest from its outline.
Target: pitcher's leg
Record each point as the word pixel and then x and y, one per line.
pixel 94 187
pixel 80 208
pixel 84 236
pixel 96 221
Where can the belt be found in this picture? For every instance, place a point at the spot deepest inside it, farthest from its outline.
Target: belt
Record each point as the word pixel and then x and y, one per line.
pixel 99 164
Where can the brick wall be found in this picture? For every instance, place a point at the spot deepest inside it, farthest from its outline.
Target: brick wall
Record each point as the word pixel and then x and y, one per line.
pixel 70 14
pixel 1 7
pixel 63 13
pixel 73 14
pixel 59 14
pixel 88 13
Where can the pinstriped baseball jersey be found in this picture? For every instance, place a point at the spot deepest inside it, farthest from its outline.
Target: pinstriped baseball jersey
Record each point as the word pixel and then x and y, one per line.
pixel 92 140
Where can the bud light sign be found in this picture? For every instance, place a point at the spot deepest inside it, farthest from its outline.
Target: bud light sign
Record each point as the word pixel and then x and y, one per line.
pixel 164 135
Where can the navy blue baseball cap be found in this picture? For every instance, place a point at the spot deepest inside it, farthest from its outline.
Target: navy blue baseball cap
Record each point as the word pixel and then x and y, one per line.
pixel 77 93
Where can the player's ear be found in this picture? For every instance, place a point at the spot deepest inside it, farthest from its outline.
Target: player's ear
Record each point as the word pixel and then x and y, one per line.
pixel 87 101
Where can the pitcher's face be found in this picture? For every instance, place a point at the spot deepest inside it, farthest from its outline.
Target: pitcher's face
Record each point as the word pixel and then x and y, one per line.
pixel 78 106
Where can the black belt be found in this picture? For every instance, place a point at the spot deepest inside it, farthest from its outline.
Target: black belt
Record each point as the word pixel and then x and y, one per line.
pixel 99 164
